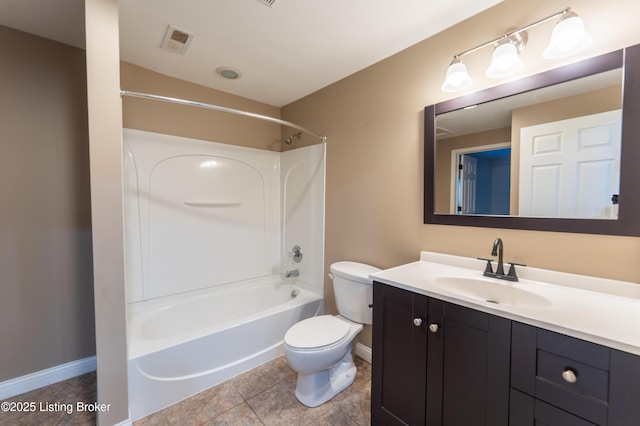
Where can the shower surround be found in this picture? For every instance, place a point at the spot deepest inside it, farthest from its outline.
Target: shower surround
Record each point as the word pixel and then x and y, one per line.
pixel 208 229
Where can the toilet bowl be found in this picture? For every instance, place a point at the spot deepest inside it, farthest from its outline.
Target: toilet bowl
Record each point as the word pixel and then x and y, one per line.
pixel 319 349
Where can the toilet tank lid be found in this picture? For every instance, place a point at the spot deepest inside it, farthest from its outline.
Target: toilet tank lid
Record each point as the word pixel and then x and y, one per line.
pixel 354 271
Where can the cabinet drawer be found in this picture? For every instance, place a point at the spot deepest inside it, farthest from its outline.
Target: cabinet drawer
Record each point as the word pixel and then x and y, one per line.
pixel 526 411
pixel 572 376
pixel 572 348
pixel 573 386
pixel 568 373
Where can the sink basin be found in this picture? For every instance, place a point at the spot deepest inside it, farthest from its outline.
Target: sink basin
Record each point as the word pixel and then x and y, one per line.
pixel 491 291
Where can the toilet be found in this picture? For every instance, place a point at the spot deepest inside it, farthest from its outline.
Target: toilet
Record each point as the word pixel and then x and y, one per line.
pixel 319 348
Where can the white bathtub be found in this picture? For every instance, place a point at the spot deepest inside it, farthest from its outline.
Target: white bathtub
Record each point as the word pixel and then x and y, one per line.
pixel 182 345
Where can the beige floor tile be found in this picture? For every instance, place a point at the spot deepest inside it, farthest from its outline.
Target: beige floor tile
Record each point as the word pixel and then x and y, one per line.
pixel 278 405
pixel 65 393
pixel 154 419
pixel 240 415
pixel 263 377
pixel 332 417
pixel 197 409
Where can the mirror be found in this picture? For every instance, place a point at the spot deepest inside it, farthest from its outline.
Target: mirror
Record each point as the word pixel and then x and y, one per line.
pixel 553 151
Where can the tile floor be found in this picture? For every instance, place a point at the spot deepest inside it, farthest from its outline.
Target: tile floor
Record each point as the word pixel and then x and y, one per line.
pixel 262 396
pixel 81 388
pixel 265 396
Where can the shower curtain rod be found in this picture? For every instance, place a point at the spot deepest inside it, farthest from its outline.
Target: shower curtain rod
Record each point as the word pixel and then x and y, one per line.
pixel 322 138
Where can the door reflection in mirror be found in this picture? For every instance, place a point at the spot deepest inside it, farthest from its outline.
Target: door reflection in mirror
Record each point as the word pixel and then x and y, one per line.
pixel 483 180
pixel 571 168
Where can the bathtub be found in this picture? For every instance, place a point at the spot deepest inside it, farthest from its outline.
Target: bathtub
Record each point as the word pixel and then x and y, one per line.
pixel 184 344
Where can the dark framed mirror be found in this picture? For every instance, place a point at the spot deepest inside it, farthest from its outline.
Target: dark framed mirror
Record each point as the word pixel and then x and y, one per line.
pixel 446 198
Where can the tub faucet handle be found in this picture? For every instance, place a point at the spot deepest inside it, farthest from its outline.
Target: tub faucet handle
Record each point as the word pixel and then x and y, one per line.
pixel 296 253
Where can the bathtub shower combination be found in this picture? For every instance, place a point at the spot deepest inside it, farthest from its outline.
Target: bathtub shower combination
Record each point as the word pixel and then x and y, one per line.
pixel 209 230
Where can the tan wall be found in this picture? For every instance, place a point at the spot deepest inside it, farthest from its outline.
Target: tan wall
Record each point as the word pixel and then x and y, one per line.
pixel 191 122
pixel 46 290
pixel 373 121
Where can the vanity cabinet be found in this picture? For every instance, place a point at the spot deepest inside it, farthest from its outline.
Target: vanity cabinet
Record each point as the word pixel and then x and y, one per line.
pixel 437 363
pixel 557 379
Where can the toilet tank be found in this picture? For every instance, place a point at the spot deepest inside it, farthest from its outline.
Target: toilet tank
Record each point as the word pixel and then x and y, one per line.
pixel 353 290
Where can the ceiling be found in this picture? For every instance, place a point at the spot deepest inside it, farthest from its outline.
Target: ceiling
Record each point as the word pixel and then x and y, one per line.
pixel 59 20
pixel 283 52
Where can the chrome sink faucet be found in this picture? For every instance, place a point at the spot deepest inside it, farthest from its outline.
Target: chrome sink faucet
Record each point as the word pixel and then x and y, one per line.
pixel 498 250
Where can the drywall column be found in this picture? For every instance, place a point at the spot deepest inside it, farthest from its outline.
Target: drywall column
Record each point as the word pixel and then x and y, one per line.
pixel 105 156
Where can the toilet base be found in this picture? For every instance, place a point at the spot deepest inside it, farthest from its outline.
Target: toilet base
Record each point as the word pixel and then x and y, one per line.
pixel 317 388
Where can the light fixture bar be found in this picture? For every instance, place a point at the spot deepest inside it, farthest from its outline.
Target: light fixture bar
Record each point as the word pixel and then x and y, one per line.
pixel 513 32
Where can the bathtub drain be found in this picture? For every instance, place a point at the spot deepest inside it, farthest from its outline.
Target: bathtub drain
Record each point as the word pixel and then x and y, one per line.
pixel 294 294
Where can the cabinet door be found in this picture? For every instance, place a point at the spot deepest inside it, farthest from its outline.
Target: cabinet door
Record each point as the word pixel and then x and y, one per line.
pixel 399 357
pixel 624 397
pixel 467 367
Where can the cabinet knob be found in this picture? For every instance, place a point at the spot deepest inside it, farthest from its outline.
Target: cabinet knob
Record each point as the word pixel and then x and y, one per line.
pixel 569 376
pixel 417 322
pixel 433 328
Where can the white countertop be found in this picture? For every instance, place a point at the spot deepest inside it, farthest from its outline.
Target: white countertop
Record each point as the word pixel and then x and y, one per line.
pixel 598 310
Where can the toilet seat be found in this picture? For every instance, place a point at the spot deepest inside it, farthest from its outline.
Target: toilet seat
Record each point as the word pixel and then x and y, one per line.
pixel 317 333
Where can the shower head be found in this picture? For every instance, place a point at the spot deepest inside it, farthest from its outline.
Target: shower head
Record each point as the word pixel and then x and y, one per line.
pixel 289 140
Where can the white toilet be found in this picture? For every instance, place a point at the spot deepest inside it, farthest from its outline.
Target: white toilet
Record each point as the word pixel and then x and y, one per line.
pixel 319 348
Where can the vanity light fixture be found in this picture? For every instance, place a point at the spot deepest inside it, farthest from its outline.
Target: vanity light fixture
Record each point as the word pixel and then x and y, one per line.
pixel 457 77
pixel 568 37
pixel 505 59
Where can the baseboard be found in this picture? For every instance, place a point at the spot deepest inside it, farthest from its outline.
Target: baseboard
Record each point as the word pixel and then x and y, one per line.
pixel 29 382
pixel 363 352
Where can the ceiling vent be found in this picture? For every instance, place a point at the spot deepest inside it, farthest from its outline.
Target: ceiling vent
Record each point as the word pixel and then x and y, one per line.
pixel 176 41
pixel 268 2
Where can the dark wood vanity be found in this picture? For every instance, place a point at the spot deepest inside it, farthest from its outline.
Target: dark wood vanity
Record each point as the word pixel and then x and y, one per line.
pixel 438 363
pixel 430 358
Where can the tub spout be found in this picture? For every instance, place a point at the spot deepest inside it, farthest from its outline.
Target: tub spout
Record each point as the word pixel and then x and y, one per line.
pixel 292 273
